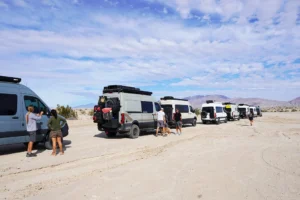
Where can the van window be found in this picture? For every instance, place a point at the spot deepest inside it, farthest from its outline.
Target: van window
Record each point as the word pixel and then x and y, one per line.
pixel 147 107
pixel 8 104
pixel 182 108
pixel 192 109
pixel 219 109
pixel 157 107
pixel 36 103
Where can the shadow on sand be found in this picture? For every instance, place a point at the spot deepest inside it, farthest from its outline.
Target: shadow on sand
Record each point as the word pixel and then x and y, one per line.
pixel 37 148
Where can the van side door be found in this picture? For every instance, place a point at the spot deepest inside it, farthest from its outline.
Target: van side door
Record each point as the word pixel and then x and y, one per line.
pixel 147 115
pixel 12 126
pixel 38 106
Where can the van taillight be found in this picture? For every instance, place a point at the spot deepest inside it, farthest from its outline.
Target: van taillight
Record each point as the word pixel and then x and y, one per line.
pixel 122 118
pixel 98 109
pixel 215 115
pixel 94 118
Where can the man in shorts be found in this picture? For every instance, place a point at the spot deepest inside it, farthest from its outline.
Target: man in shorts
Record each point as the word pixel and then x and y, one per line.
pixel 178 121
pixel 160 121
pixel 31 127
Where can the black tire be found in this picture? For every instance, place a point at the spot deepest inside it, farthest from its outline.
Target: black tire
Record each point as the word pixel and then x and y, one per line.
pixel 204 122
pixel 194 122
pixel 225 120
pixel 134 131
pixel 111 134
pixel 48 143
pixel 217 121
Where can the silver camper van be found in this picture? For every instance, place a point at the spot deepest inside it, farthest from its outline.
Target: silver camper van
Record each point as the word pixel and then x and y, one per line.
pixel 14 100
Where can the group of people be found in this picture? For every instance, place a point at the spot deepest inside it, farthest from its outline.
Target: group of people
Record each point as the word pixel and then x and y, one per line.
pixel 162 123
pixel 54 125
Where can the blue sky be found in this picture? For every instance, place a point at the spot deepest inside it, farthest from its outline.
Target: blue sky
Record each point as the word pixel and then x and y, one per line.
pixel 67 50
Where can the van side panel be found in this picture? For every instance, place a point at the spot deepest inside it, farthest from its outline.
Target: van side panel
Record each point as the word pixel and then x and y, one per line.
pixel 12 126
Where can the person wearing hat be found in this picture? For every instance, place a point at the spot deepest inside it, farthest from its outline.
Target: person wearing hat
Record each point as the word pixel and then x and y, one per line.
pixel 160 120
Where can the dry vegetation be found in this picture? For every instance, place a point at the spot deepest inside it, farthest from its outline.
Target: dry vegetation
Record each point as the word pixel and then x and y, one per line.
pixel 282 109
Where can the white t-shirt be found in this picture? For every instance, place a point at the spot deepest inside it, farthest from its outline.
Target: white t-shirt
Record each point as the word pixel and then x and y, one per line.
pixel 31 121
pixel 160 115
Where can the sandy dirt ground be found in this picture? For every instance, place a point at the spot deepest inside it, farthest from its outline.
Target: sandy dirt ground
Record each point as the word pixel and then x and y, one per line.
pixel 228 161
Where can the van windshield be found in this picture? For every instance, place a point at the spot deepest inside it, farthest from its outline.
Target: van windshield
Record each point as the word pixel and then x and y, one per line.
pixel 242 109
pixel 208 109
pixel 227 109
pixel 166 106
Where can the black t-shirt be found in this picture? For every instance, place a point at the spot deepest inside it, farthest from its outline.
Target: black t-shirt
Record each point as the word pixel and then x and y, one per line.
pixel 177 117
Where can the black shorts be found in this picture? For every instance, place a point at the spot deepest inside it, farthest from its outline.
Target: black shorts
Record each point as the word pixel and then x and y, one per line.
pixel 32 136
pixel 178 124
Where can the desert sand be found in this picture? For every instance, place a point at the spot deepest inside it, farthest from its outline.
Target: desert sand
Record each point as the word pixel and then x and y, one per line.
pixel 228 161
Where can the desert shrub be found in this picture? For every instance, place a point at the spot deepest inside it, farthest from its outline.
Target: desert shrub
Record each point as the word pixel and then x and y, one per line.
pixel 197 111
pixel 91 112
pixel 294 110
pixel 66 111
pixel 82 112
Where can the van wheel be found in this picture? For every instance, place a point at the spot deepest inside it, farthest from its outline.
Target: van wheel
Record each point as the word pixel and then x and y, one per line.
pixel 217 121
pixel 48 143
pixel 225 120
pixel 194 122
pixel 134 131
pixel 204 122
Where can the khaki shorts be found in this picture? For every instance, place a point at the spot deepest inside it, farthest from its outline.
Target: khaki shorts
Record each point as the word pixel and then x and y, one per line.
pixel 55 134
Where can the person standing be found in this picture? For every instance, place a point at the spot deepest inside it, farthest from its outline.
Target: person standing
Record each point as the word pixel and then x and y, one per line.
pixel 160 121
pixel 178 121
pixel 31 127
pixel 55 133
pixel 251 116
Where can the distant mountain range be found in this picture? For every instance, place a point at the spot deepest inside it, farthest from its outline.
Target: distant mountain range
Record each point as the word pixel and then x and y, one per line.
pixel 198 100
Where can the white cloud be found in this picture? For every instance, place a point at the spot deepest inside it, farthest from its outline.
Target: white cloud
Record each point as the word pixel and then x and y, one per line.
pixel 149 51
pixel 3 5
pixel 20 3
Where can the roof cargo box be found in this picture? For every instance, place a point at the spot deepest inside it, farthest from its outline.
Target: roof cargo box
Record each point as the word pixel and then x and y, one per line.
pixel 10 79
pixel 210 101
pixel 125 89
pixel 172 98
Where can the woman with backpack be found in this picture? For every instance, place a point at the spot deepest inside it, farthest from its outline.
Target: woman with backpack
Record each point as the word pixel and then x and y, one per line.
pixel 251 116
pixel 56 134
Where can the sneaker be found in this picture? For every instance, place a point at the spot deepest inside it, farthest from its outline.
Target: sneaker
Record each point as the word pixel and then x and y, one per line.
pixel 30 155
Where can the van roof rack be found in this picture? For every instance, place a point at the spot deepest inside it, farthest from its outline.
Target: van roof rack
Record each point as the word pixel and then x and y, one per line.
pixel 172 98
pixel 210 101
pixel 125 89
pixel 242 104
pixel 10 79
pixel 227 103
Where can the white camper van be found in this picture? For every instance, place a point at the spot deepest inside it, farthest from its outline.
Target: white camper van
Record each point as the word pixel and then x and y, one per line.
pixel 170 104
pixel 231 110
pixel 213 112
pixel 14 100
pixel 253 108
pixel 126 110
pixel 244 110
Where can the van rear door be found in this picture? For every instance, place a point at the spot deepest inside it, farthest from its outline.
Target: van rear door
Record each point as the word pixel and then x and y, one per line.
pixel 12 127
